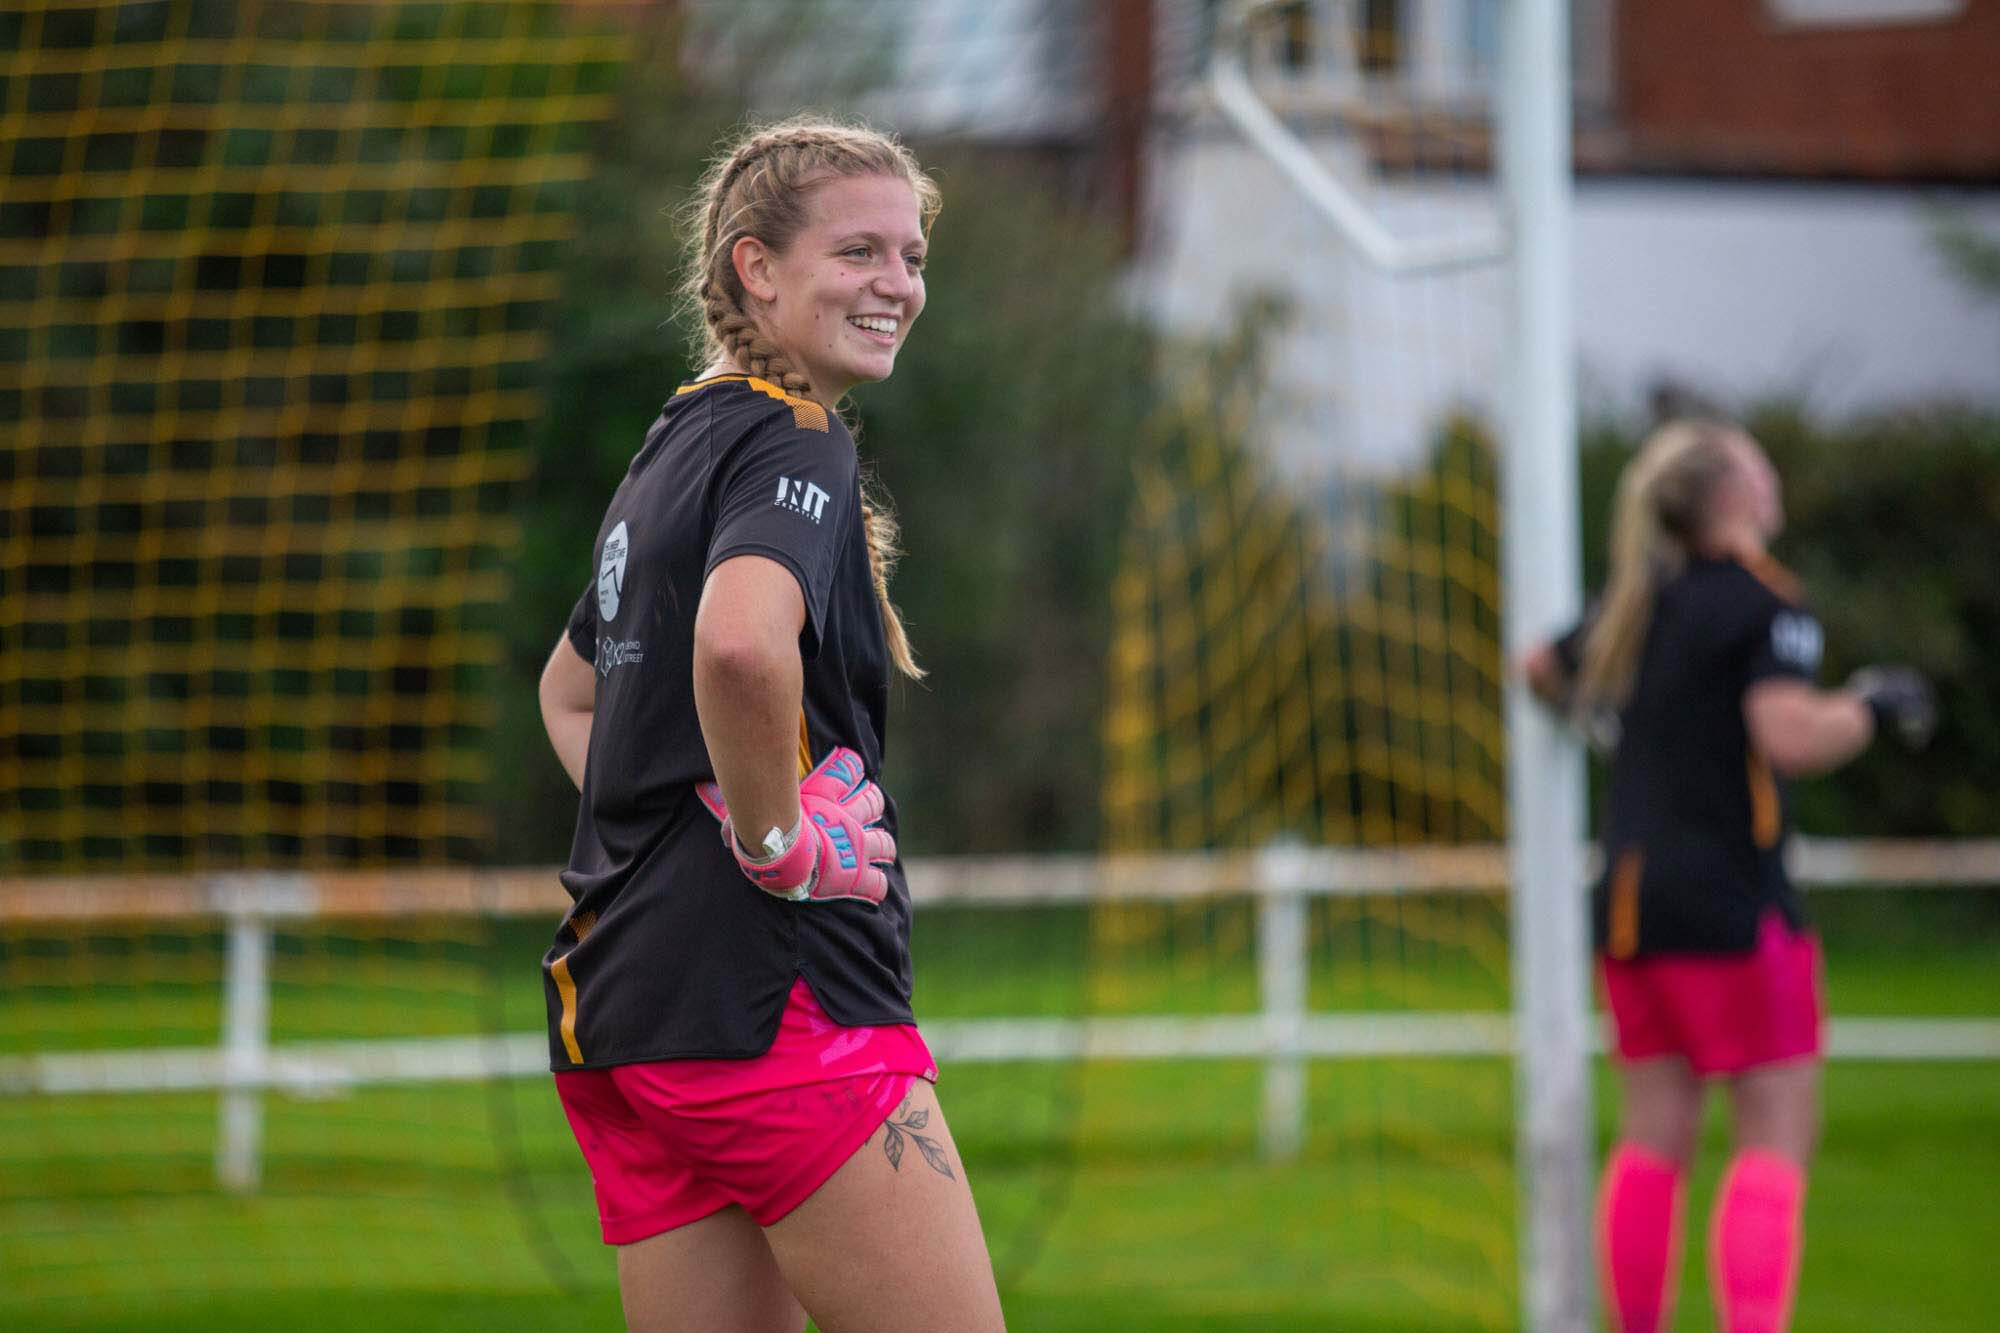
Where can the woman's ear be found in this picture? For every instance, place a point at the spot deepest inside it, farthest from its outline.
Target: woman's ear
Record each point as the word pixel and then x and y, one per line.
pixel 754 263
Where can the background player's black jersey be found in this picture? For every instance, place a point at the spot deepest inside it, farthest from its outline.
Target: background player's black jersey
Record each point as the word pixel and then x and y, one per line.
pixel 1695 820
pixel 668 950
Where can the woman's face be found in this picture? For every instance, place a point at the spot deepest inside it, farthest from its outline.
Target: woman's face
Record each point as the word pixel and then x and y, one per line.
pixel 843 296
pixel 1759 482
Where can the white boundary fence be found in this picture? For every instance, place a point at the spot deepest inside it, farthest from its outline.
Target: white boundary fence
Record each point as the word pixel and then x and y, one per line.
pixel 1283 1033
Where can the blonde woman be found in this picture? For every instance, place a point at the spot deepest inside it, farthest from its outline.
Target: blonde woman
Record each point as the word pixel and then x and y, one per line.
pixel 1700 660
pixel 729 995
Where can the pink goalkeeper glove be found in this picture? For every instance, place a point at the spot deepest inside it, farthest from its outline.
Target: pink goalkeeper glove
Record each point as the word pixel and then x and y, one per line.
pixel 839 847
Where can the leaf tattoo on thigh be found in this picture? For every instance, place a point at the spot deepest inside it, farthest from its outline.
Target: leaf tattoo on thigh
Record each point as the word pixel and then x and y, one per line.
pixel 896 1130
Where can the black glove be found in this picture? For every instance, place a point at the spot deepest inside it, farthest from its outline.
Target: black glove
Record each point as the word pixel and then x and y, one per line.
pixel 1901 700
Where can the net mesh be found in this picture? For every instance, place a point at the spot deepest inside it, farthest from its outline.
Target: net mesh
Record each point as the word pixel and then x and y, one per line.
pixel 1306 639
pixel 272 279
pixel 108 1199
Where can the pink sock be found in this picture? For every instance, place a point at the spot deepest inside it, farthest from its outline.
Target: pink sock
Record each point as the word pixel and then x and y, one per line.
pixel 1755 1241
pixel 1639 1237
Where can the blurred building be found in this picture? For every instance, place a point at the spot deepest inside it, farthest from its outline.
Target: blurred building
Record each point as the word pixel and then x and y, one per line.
pixel 1890 90
pixel 1759 184
pixel 1058 84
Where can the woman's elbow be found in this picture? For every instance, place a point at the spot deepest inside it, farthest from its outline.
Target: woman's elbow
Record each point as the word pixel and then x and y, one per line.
pixel 1789 761
pixel 1782 736
pixel 549 694
pixel 741 660
pixel 568 684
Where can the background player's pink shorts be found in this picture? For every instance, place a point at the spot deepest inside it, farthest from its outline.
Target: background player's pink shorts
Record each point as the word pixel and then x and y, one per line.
pixel 1724 1012
pixel 672 1141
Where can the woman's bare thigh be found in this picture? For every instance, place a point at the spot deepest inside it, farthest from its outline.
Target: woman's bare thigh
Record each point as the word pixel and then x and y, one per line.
pixel 716 1275
pixel 891 1242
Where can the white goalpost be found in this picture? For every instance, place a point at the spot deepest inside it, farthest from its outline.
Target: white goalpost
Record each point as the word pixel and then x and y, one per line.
pixel 1542 577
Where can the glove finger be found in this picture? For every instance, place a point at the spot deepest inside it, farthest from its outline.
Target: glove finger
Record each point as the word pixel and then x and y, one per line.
pixel 837 775
pixel 870 886
pixel 866 804
pixel 878 847
pixel 711 796
pixel 875 885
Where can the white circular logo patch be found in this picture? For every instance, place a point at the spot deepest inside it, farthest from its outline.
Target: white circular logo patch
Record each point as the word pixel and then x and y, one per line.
pixel 1796 638
pixel 611 572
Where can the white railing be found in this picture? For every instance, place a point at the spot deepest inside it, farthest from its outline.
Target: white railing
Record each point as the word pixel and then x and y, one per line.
pixel 1283 1032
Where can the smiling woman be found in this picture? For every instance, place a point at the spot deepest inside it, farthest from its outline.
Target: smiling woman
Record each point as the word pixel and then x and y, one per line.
pixel 843 296
pixel 729 1017
pixel 763 199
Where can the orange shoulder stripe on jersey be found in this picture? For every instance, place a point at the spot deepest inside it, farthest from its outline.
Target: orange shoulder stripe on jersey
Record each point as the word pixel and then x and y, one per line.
pixel 1776 577
pixel 805 748
pixel 806 414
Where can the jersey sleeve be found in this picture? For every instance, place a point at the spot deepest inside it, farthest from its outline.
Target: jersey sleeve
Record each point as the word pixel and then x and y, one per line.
pixel 582 627
pixel 788 493
pixel 1785 643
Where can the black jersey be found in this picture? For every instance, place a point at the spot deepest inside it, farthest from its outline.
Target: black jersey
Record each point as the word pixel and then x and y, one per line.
pixel 668 951
pixel 1695 822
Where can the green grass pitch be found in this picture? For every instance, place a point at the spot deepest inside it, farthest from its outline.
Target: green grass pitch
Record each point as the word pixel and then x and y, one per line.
pixel 1117 1196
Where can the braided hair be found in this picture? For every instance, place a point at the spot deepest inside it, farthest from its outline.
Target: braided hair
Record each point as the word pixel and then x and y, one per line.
pixel 761 187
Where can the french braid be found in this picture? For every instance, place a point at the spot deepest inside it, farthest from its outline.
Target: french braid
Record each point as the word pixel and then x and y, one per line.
pixel 762 187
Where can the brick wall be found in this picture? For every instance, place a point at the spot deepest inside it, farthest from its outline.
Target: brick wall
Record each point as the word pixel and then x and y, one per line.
pixel 1724 86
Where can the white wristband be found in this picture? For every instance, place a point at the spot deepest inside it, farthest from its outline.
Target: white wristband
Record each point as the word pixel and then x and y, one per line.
pixel 776 843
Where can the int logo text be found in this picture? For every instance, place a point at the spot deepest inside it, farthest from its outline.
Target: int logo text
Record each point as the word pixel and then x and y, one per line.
pixel 801 497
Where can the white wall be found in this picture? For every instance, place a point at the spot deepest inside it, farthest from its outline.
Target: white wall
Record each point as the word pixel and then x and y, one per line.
pixel 1740 290
pixel 1832 292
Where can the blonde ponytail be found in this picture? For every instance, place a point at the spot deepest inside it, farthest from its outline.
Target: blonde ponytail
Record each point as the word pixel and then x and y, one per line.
pixel 1661 504
pixel 883 552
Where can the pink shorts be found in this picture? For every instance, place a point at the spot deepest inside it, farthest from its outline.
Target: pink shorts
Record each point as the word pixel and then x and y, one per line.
pixel 672 1141
pixel 1725 1012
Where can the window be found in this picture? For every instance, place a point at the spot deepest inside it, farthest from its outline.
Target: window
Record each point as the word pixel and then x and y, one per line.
pixel 1862 13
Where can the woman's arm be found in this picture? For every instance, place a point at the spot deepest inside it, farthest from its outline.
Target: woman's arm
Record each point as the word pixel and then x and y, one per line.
pixel 1802 730
pixel 569 698
pixel 748 684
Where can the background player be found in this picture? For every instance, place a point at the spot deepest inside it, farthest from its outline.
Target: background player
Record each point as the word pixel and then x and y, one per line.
pixel 1700 660
pixel 729 1016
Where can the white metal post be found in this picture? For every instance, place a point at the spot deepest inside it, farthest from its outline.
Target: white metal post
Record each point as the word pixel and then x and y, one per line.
pixel 246 1037
pixel 1544 767
pixel 1281 988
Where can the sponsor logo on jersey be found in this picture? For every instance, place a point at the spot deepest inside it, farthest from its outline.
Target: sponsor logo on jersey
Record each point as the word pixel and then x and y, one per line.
pixel 611 571
pixel 1796 638
pixel 801 497
pixel 617 653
